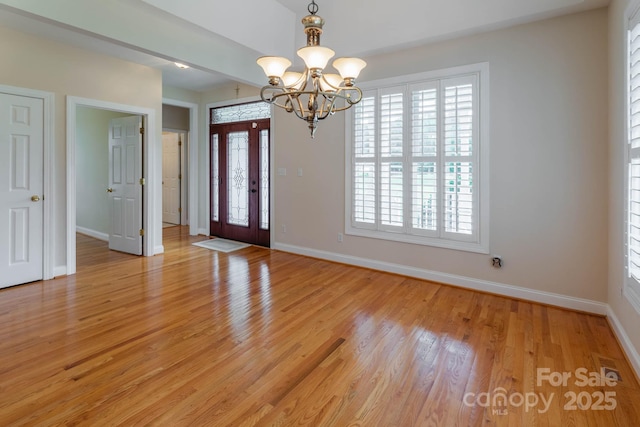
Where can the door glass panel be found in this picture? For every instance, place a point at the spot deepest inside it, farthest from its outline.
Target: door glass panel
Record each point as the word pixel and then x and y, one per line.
pixel 215 179
pixel 264 179
pixel 238 178
pixel 240 113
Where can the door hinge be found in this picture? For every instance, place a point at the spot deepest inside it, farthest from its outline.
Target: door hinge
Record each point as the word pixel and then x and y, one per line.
pixel 180 176
pixel 180 210
pixel 142 231
pixel 142 181
pixel 141 130
pixel 179 143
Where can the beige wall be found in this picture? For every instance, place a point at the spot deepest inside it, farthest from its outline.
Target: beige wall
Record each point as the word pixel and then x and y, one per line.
pixel 175 118
pixel 548 140
pixel 627 316
pixel 36 63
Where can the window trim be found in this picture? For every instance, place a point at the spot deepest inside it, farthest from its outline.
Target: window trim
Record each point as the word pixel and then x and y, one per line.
pixel 481 244
pixel 631 287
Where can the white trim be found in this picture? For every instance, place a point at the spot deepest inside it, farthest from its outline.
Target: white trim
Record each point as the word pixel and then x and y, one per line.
pixel 92 233
pixel 48 126
pixel 625 341
pixel 501 289
pixel 153 174
pixel 630 286
pixel 272 178
pixel 203 232
pixel 193 141
pixel 59 271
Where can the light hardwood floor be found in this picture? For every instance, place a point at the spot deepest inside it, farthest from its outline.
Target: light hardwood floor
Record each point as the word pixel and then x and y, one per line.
pixel 258 337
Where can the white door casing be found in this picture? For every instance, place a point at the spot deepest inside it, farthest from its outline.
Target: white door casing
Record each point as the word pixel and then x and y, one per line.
pixel 125 186
pixel 21 189
pixel 171 182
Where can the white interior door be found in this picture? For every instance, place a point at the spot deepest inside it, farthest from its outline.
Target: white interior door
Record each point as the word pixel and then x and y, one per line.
pixel 171 177
pixel 21 189
pixel 125 187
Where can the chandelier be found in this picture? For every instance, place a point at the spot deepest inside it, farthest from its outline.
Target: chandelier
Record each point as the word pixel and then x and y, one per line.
pixel 312 95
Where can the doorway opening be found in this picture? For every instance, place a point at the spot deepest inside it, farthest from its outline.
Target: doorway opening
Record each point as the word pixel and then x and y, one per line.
pixel 149 181
pixel 240 173
pixel 174 178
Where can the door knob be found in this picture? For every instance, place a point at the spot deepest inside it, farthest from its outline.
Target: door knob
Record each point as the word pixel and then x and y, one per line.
pixel 253 190
pixel 35 198
pixel 109 190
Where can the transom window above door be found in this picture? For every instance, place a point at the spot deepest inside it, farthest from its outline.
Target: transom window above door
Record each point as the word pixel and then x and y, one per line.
pixel 240 113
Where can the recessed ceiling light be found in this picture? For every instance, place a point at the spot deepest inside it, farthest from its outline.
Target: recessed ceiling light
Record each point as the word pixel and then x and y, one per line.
pixel 179 65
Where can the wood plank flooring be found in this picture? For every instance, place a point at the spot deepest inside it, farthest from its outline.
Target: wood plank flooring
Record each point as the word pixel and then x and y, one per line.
pixel 265 338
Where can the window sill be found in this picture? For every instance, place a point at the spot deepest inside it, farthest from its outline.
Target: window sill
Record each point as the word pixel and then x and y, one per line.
pixel 419 240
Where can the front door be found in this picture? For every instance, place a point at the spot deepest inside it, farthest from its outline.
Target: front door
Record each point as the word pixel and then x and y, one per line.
pixel 125 185
pixel 21 189
pixel 240 181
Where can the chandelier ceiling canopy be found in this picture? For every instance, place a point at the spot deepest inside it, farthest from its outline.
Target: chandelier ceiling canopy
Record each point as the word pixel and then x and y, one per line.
pixel 312 95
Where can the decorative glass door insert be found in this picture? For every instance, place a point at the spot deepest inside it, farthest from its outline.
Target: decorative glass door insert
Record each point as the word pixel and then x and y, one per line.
pixel 240 177
pixel 238 182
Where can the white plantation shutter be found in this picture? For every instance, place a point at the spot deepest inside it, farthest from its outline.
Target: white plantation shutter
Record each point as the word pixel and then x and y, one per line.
pixel 391 184
pixel 413 163
pixel 364 171
pixel 460 123
pixel 632 287
pixel 424 157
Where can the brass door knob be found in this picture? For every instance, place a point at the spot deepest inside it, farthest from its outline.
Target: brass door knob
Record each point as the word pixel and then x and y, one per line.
pixel 35 198
pixel 109 190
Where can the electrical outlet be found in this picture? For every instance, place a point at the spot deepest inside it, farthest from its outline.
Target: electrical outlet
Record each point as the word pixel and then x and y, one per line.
pixel 340 237
pixel 496 261
pixel 284 228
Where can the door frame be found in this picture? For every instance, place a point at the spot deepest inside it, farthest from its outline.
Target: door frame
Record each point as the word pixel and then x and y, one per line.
pixel 152 171
pixel 191 163
pixel 48 242
pixel 252 232
pixel 207 190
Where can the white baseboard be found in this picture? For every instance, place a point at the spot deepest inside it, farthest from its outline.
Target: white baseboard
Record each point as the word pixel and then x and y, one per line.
pixel 158 250
pixel 512 291
pixel 203 232
pixel 625 341
pixel 60 270
pixel 92 233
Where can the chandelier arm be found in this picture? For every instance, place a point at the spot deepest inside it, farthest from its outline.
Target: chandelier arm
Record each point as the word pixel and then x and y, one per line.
pixel 296 94
pixel 300 112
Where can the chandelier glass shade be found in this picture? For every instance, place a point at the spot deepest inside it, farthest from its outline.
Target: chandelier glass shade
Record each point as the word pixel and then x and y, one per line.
pixel 312 95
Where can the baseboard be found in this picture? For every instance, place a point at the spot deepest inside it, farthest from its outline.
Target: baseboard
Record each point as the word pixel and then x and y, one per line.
pixel 92 233
pixel 158 250
pixel 625 341
pixel 60 270
pixel 573 303
pixel 203 232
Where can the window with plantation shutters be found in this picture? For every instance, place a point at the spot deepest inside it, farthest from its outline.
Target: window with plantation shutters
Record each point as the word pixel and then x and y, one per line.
pixel 417 157
pixel 632 285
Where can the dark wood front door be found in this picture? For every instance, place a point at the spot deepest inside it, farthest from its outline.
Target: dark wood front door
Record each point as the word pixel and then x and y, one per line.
pixel 240 181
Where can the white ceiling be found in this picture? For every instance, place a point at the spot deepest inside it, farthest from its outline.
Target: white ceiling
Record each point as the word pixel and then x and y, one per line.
pixel 221 39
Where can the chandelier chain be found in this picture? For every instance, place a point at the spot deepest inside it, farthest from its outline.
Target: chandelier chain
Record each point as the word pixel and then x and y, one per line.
pixel 313 7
